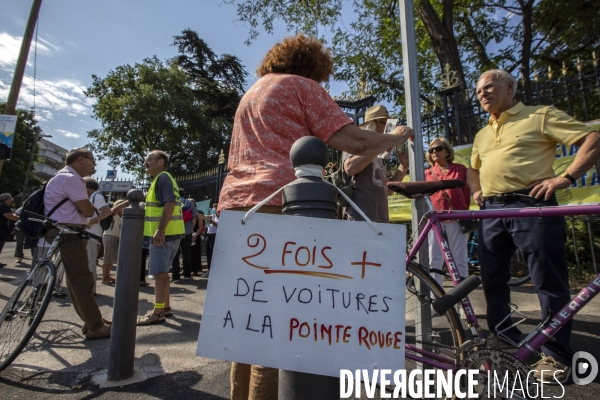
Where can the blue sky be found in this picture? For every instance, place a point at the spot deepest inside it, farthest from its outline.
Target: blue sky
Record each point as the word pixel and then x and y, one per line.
pixel 78 38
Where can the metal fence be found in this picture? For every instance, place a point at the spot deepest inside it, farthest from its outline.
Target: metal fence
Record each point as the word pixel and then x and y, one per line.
pixel 205 185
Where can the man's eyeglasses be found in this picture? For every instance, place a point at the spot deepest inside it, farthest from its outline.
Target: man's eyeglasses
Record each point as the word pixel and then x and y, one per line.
pixel 91 158
pixel 436 148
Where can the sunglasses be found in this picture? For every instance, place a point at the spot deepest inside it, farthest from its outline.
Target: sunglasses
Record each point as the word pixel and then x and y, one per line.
pixel 436 148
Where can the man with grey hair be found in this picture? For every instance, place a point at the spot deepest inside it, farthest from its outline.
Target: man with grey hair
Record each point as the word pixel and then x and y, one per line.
pixel 511 167
pixel 68 183
pixel 163 228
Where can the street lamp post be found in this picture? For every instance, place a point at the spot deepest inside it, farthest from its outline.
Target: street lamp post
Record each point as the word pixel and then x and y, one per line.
pixel 37 137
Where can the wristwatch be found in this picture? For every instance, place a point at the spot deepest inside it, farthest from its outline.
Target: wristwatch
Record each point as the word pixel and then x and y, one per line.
pixel 569 177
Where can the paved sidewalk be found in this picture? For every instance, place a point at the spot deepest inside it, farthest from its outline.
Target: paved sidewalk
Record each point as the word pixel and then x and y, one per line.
pixel 59 361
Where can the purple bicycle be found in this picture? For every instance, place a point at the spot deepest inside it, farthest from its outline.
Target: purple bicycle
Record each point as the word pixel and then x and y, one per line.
pixel 434 333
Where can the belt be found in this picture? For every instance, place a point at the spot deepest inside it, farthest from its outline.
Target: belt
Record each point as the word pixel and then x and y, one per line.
pixel 519 195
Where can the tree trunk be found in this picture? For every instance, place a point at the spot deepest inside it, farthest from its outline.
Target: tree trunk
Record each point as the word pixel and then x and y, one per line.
pixel 446 49
pixel 443 40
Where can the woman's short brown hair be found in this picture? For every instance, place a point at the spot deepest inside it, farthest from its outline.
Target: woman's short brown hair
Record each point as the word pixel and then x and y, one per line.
pixel 298 55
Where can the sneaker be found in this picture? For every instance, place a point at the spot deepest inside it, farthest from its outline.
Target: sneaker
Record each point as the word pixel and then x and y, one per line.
pixel 175 280
pixel 553 371
pixel 187 278
pixel 151 276
pixel 205 275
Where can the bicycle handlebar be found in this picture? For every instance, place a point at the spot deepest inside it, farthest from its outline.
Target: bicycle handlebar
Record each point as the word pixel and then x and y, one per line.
pixel 54 224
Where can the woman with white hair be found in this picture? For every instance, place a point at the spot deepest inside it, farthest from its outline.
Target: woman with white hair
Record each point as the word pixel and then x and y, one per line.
pixel 440 156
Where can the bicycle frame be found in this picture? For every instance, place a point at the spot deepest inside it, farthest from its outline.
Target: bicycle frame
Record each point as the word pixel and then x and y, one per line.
pixel 542 334
pixel 51 251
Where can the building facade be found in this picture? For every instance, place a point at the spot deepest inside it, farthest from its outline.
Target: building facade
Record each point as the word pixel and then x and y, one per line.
pixel 51 158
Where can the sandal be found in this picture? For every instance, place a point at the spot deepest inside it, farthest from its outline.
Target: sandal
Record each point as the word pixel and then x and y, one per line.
pixel 84 328
pixel 101 333
pixel 108 283
pixel 151 318
pixel 168 313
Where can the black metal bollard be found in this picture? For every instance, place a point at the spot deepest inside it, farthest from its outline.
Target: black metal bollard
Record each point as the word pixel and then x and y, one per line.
pixel 309 197
pixel 125 306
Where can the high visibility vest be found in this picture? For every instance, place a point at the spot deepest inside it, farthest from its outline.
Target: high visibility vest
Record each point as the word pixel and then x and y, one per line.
pixel 154 212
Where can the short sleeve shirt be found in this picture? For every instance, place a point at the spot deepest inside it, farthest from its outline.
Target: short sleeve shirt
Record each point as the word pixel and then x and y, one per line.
pixel 520 147
pixel 212 229
pixel 460 198
pixel 98 201
pixel 275 112
pixel 164 189
pixel 66 184
pixel 115 229
pixel 189 226
pixel 164 193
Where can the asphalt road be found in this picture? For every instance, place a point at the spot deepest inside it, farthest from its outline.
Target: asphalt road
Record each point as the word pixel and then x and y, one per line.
pixel 58 362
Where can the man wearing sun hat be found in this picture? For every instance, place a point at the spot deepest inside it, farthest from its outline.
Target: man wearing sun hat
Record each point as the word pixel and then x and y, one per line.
pixel 369 176
pixel 7 219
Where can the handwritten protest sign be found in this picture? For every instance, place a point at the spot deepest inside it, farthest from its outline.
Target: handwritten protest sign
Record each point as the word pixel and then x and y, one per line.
pixel 305 294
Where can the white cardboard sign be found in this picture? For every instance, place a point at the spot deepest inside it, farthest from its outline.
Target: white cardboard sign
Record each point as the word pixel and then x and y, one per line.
pixel 305 294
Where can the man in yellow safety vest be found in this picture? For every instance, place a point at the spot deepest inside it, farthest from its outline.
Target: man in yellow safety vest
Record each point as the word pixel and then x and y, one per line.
pixel 163 227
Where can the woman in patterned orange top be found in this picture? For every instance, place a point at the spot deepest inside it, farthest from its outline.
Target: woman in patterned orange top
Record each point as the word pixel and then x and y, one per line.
pixel 285 104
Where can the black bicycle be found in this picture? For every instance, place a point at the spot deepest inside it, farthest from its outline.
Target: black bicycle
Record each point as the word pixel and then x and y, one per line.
pixel 25 309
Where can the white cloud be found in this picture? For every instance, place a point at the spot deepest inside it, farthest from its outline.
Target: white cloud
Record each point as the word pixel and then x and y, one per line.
pixel 11 45
pixel 51 96
pixel 68 134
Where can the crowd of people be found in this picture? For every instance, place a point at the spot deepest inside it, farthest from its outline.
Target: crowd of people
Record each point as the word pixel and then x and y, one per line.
pixel 172 226
pixel 511 166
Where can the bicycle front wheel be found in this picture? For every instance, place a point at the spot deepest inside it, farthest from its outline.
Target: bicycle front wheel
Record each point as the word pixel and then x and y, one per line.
pixel 446 329
pixel 24 311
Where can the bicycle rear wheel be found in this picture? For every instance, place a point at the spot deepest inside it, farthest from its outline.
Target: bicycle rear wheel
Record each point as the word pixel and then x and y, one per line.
pixel 24 311
pixel 519 271
pixel 446 329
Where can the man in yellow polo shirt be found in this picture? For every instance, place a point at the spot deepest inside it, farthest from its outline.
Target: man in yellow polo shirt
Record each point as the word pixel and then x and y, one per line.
pixel 511 167
pixel 163 228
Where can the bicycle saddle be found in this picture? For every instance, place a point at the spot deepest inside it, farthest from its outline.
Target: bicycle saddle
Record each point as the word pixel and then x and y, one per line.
pixel 414 190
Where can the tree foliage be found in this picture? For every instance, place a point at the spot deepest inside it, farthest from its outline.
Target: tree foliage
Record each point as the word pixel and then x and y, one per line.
pixel 468 35
pixel 184 106
pixel 15 169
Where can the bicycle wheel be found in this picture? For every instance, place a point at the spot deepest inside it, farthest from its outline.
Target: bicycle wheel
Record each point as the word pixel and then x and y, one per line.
pixel 447 331
pixel 519 272
pixel 24 311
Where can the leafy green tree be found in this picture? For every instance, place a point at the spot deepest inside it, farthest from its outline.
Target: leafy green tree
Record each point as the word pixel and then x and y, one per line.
pixel 14 170
pixel 468 35
pixel 184 106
